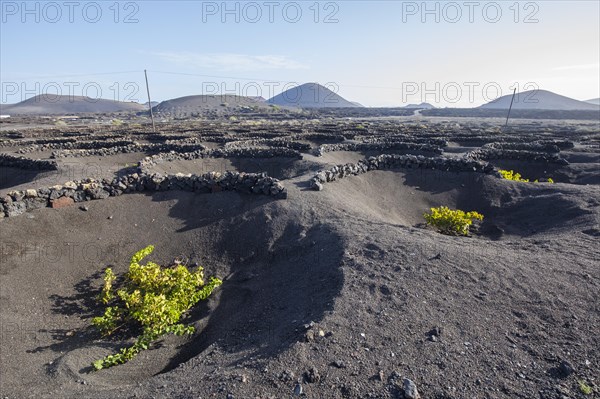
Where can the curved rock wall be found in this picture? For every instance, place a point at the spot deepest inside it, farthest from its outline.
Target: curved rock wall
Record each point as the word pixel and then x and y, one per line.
pixel 519 155
pixel 18 202
pixel 535 147
pixel 377 147
pixel 100 150
pixel 149 161
pixel 394 161
pixel 27 163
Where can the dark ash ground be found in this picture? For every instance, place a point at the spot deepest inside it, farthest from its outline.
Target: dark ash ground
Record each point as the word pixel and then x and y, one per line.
pixel 342 291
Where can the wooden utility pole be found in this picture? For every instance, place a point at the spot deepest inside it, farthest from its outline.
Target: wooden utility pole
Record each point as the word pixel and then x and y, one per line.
pixel 149 102
pixel 509 108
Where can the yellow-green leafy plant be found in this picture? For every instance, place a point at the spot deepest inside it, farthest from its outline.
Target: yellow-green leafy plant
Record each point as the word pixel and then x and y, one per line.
pixel 585 388
pixel 514 176
pixel 452 222
pixel 151 298
pixel 511 175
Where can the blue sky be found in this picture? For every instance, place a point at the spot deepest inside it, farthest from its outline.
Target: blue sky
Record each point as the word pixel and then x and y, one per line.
pixel 379 53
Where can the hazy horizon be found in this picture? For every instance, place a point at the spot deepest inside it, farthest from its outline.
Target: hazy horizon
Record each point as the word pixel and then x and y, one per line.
pixel 449 54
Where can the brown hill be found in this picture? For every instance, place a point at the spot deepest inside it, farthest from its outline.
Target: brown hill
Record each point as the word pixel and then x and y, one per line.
pixel 204 103
pixel 540 99
pixel 311 95
pixel 66 105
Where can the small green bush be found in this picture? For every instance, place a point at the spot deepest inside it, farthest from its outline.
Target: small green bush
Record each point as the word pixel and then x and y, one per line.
pixel 585 388
pixel 511 175
pixel 450 221
pixel 514 176
pixel 152 298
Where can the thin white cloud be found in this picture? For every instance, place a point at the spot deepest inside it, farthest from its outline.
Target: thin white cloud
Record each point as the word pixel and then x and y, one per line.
pixel 579 67
pixel 231 62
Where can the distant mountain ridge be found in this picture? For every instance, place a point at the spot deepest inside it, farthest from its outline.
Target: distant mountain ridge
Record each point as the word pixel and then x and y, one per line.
pixel 66 105
pixel 311 95
pixel 539 99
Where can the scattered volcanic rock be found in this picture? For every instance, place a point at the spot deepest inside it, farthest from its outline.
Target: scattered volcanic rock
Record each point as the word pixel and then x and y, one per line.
pixel 62 202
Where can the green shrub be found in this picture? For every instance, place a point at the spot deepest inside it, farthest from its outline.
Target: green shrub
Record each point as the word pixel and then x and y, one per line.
pixel 514 176
pixel 152 298
pixel 511 175
pixel 585 388
pixel 450 221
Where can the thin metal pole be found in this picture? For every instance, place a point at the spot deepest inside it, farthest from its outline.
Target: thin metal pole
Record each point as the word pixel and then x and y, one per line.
pixel 149 102
pixel 509 108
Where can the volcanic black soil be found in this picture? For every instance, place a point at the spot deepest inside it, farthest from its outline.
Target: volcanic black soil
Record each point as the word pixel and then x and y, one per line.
pixel 342 292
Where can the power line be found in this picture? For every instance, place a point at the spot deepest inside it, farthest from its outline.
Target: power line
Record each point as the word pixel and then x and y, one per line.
pixel 223 77
pixel 85 74
pixel 269 80
pixel 207 76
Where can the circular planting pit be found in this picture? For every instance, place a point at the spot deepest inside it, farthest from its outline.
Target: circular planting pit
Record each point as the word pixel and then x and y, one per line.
pixel 13 178
pixel 258 246
pixel 400 197
pixel 69 169
pixel 279 168
pixel 574 173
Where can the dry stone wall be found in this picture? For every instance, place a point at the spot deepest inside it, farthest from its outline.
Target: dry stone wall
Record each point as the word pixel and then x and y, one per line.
pixel 21 162
pixel 377 147
pixel 18 202
pixel 519 155
pixel 394 161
